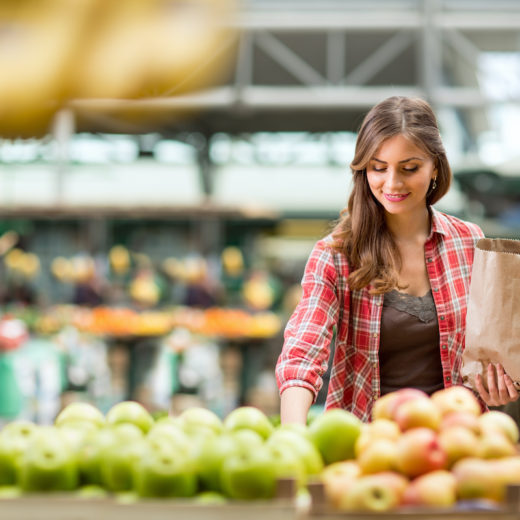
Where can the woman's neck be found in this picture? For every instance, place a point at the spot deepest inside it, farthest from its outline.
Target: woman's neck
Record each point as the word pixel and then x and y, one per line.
pixel 409 227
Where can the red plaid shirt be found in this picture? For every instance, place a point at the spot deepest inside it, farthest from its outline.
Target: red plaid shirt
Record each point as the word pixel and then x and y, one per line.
pixel 327 302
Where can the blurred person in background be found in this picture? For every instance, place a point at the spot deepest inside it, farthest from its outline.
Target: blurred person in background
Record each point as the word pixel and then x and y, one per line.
pixel 391 280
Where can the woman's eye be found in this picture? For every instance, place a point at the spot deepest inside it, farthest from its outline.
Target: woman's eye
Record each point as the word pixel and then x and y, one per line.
pixel 378 169
pixel 412 169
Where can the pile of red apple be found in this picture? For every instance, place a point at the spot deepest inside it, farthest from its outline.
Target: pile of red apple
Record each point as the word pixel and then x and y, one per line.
pixel 437 451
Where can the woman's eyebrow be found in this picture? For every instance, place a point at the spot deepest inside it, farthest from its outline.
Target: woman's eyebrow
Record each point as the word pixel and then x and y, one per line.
pixel 403 161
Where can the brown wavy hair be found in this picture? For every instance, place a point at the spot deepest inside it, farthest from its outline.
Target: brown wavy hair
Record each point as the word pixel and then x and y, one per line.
pixel 361 232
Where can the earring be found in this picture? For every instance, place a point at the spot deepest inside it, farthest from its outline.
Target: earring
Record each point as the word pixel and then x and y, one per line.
pixel 434 185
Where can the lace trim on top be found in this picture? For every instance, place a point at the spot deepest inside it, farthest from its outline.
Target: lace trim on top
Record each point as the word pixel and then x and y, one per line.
pixel 422 307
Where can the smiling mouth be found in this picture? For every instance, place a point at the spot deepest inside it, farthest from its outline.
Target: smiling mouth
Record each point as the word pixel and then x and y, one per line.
pixel 395 198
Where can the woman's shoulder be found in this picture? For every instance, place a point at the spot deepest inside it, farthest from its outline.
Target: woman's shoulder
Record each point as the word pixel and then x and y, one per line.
pixel 455 227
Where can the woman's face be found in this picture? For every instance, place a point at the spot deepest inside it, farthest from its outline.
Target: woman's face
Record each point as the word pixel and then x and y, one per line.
pixel 399 175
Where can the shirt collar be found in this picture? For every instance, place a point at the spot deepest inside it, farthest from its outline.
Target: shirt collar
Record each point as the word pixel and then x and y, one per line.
pixel 438 222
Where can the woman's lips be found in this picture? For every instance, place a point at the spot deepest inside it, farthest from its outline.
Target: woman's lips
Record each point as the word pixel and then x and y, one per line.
pixel 395 198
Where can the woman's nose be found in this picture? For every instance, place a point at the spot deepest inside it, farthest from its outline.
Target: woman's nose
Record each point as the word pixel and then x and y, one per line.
pixel 393 178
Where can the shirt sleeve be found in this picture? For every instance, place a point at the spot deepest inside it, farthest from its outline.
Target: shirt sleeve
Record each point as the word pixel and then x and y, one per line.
pixel 308 334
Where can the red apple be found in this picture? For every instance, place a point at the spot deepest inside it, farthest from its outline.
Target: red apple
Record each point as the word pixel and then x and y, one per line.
pixel 419 451
pixel 417 412
pixel 456 399
pixel 433 489
pixel 466 420
pixel 385 406
pixel 334 433
pixel 458 442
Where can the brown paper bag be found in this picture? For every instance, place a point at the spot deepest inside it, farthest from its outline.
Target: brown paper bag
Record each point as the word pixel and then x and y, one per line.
pixel 493 317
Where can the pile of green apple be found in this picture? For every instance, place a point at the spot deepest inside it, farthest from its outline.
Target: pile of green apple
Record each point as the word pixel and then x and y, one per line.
pixel 422 451
pixel 128 454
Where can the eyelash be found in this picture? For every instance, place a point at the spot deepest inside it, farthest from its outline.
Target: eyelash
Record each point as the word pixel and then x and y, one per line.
pixel 408 170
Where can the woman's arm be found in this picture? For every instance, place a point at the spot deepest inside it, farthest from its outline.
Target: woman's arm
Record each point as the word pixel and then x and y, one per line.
pixel 295 404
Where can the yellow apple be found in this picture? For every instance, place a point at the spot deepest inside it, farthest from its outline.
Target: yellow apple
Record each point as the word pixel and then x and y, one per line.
pixel 496 420
pixel 456 399
pixel 478 479
pixel 377 429
pixel 433 489
pixel 379 492
pixel 459 442
pixel 337 478
pixel 417 412
pixel 379 455
pixel 467 420
pixel 494 444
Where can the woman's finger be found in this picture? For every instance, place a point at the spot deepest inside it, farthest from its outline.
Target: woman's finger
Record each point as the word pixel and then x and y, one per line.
pixel 481 390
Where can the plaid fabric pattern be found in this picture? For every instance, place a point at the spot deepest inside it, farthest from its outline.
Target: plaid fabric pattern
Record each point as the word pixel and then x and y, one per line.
pixel 327 304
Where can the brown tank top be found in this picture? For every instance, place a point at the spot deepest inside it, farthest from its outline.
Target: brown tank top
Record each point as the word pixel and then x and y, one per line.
pixel 409 354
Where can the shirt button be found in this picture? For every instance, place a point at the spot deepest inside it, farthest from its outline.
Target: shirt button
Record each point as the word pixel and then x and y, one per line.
pixel 430 260
pixel 375 335
pixel 444 347
pixel 448 378
pixel 443 318
pixel 436 289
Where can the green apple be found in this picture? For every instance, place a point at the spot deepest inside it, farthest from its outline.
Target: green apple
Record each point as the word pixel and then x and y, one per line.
pixel 169 434
pixel 130 412
pixel 247 439
pixel 251 418
pixel 92 453
pixel 14 438
pixel 211 457
pixel 301 443
pixel 210 498
pixel 91 491
pixel 9 492
pixel 335 433
pixel 164 472
pixel 80 412
pixel 248 475
pixel 288 464
pixel 48 464
pixel 301 429
pixel 117 464
pixel 196 419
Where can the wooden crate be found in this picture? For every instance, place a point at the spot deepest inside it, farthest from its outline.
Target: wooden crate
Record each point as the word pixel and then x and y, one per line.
pixel 320 509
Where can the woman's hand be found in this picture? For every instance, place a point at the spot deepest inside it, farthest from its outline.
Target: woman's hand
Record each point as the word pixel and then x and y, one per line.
pixel 500 387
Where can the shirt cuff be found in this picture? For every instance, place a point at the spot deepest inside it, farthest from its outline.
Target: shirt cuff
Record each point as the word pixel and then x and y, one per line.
pixel 301 384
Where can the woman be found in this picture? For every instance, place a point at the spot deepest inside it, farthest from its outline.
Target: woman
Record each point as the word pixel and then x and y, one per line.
pixel 391 280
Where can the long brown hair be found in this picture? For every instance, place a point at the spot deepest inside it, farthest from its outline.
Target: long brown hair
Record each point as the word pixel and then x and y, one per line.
pixel 361 232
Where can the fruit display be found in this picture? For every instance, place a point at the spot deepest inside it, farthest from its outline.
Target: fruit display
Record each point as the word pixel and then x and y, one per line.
pixel 402 461
pixel 126 451
pixel 438 452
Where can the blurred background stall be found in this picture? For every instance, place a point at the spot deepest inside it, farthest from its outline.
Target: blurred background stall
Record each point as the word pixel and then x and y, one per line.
pixel 162 186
